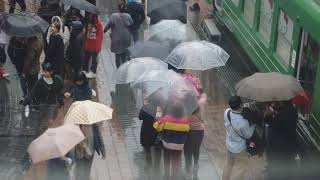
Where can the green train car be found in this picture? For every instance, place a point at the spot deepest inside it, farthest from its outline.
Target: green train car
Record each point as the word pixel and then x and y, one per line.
pixel 282 36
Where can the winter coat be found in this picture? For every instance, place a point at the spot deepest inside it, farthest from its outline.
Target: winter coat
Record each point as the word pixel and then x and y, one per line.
pixel 54 53
pixel 120 34
pixel 174 131
pixel 64 32
pixel 81 93
pixel 137 14
pixel 148 134
pixel 32 61
pixel 45 93
pixel 75 53
pixel 93 37
pixel 17 52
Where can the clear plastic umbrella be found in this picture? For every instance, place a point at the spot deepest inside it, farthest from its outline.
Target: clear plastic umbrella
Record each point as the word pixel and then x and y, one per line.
pixel 168 33
pixel 207 56
pixel 133 69
pixel 149 49
pixel 162 88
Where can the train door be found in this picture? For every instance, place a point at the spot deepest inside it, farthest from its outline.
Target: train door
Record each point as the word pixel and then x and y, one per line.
pixel 309 57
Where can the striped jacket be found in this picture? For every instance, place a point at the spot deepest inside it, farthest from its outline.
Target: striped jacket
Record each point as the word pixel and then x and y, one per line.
pixel 174 131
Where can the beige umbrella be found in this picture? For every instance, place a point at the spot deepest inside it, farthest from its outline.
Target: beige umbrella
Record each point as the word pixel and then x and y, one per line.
pixel 55 142
pixel 87 112
pixel 264 87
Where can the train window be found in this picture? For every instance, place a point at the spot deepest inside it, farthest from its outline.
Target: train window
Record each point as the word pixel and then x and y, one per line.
pixel 266 15
pixel 285 38
pixel 248 10
pixel 236 2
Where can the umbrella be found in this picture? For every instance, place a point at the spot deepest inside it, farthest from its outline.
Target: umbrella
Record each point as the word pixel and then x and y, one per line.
pixel 165 87
pixel 23 25
pixel 167 9
pixel 207 56
pixel 149 49
pixel 82 5
pixel 133 69
pixel 264 87
pixel 87 112
pixel 168 32
pixel 302 99
pixel 55 142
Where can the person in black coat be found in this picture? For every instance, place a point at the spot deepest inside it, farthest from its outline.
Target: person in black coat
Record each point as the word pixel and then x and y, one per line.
pixel 282 141
pixel 54 52
pixel 137 14
pixel 75 51
pixel 48 94
pixel 17 51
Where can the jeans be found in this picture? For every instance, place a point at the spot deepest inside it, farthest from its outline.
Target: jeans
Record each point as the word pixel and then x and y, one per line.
pixel 13 3
pixel 135 35
pixel 121 58
pixel 237 162
pixel 94 64
pixel 192 147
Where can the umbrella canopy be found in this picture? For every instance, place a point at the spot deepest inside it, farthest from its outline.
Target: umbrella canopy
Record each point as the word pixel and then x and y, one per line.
pixel 163 88
pixel 302 99
pixel 168 32
pixel 149 49
pixel 133 69
pixel 167 9
pixel 23 25
pixel 208 56
pixel 82 5
pixel 55 142
pixel 264 87
pixel 87 112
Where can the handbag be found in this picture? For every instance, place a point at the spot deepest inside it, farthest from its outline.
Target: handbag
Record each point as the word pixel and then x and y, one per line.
pixel 255 138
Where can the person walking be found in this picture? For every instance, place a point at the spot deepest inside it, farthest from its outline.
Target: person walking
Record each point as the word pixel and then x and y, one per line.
pixel 92 44
pixel 75 53
pixel 237 131
pixel 54 51
pixel 12 4
pixel 17 51
pixel 31 66
pixel 138 16
pixel 174 128
pixel 81 90
pixel 119 24
pixel 192 145
pixel 48 93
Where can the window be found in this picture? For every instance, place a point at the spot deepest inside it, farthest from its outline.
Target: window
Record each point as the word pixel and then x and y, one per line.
pixel 266 15
pixel 248 10
pixel 285 34
pixel 236 2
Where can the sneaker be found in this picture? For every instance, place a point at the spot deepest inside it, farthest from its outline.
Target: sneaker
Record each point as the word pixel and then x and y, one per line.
pixel 90 75
pixel 26 111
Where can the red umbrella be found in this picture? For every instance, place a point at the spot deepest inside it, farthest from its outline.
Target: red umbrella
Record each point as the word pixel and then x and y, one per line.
pixel 302 99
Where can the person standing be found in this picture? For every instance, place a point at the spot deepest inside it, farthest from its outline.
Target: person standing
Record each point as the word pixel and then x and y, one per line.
pixel 193 143
pixel 17 51
pixel 237 131
pixel 92 44
pixel 138 16
pixel 75 53
pixel 31 66
pixel 54 52
pixel 48 93
pixel 174 128
pixel 119 24
pixel 12 4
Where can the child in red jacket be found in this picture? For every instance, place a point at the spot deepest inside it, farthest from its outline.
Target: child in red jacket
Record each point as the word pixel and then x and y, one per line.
pixel 92 44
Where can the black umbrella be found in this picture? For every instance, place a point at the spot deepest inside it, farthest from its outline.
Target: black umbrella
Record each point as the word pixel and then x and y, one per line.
pixel 167 9
pixel 23 25
pixel 82 5
pixel 149 49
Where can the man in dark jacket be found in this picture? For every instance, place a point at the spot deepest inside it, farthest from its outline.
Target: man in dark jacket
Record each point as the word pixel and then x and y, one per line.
pixel 31 66
pixel 75 52
pixel 17 51
pixel 137 14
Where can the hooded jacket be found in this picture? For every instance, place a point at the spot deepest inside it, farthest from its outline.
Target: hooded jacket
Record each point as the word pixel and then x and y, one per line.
pixel 93 37
pixel 64 32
